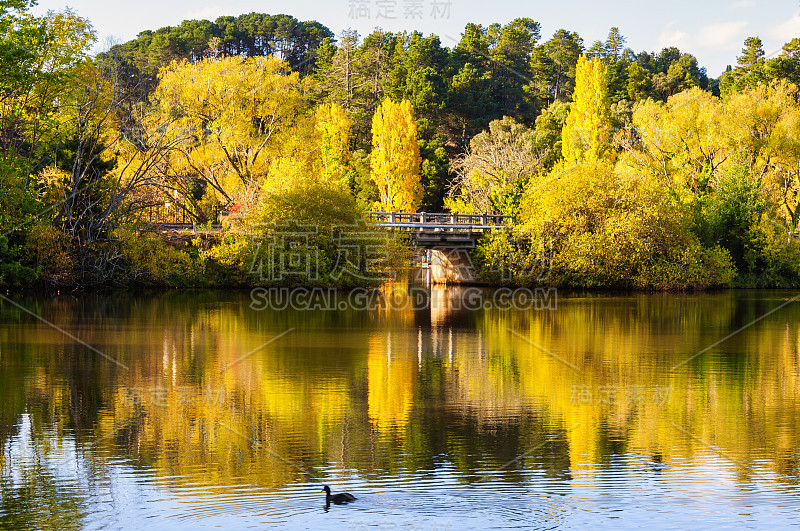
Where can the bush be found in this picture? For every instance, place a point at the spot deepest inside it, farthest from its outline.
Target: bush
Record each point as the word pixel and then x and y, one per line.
pixel 50 248
pixel 12 273
pixel 152 261
pixel 615 229
pixel 320 225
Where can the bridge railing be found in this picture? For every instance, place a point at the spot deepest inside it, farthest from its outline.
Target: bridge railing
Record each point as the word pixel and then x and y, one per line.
pixel 428 220
pixel 414 221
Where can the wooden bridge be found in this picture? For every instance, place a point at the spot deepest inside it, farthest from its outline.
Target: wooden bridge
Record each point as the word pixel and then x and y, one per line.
pixel 437 230
pixel 443 240
pixel 428 230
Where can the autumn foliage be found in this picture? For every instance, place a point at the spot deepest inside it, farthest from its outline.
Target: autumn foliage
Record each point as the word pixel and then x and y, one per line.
pixel 587 132
pixel 631 169
pixel 395 160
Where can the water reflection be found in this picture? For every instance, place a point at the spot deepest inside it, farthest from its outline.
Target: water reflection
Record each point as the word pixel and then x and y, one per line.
pixel 218 409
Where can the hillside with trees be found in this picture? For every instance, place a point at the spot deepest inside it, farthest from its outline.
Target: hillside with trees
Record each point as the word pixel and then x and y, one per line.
pixel 621 168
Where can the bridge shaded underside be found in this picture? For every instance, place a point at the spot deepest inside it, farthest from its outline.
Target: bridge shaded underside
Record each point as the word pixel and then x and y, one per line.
pixel 440 230
pixel 445 240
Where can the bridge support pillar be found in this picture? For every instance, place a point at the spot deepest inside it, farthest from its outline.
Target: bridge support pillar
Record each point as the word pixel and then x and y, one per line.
pixel 452 266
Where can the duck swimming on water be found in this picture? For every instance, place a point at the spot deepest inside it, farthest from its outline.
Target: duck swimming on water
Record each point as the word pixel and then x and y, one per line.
pixel 342 497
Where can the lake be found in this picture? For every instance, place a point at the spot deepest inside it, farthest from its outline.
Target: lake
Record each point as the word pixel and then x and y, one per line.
pixel 437 408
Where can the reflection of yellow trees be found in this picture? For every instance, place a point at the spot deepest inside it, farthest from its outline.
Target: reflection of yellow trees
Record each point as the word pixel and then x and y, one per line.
pixel 325 396
pixel 742 404
pixel 391 376
pixel 244 417
pixel 395 303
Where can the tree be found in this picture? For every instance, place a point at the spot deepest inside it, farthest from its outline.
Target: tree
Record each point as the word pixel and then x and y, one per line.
pixel 597 51
pixel 617 228
pixel 787 64
pixel 333 131
pixel 752 53
pixel 640 84
pixel 422 79
pixel 112 165
pixel 21 36
pixel 492 76
pixel 791 49
pixel 751 68
pixel 358 76
pixel 236 109
pixel 614 44
pixel 40 60
pixel 434 172
pixel 395 159
pixel 492 175
pixel 587 130
pixel 474 47
pixel 426 90
pixel 249 35
pixel 378 56
pixel 548 129
pixel 663 59
pixel 564 49
pixel 681 143
pixel 471 104
pixel 66 46
pixel 336 75
pixel 425 52
pixel 553 66
pixel 510 66
pixel 761 123
pixel 23 39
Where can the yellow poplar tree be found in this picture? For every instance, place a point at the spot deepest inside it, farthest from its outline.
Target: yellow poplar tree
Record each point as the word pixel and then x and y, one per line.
pixel 585 134
pixel 333 128
pixel 395 160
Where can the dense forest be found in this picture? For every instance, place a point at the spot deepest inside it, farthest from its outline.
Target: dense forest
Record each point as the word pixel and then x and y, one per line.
pixel 618 168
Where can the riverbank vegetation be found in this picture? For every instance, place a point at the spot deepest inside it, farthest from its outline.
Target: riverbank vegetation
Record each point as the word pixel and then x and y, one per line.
pixel 618 168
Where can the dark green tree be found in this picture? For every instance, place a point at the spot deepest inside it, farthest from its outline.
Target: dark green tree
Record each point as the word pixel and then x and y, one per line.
pixel 614 45
pixel 787 64
pixel 511 67
pixel 553 64
pixel 752 53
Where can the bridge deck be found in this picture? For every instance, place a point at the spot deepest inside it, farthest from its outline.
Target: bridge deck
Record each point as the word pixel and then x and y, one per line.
pixel 426 221
pixel 440 231
pixel 424 227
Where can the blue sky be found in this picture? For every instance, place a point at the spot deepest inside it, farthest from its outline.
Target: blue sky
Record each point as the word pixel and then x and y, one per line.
pixel 713 30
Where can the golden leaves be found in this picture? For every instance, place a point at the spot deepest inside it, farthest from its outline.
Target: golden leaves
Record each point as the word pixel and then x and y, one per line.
pixel 395 156
pixel 333 129
pixel 586 133
pixel 238 110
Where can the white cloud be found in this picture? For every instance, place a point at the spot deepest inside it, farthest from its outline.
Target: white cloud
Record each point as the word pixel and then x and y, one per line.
pixel 712 44
pixel 207 13
pixel 673 37
pixel 788 30
pixel 721 36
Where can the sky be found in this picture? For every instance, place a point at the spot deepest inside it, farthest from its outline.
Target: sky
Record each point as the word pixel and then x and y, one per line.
pixel 712 30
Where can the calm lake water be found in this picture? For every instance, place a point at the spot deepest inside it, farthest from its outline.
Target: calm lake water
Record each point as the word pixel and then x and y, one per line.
pixel 208 409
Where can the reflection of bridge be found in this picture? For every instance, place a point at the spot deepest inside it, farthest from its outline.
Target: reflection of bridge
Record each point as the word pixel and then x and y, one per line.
pixel 440 231
pixel 445 239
